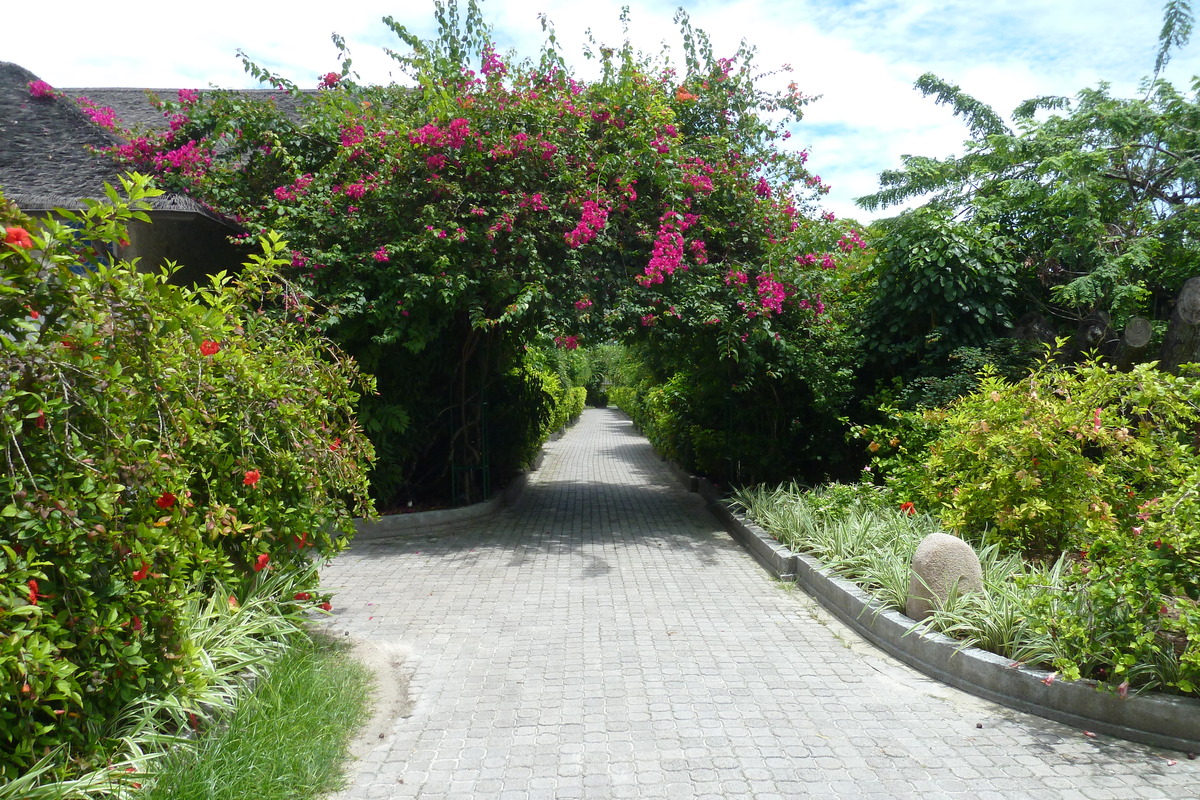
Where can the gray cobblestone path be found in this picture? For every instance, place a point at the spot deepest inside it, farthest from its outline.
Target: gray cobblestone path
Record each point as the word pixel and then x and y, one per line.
pixel 605 639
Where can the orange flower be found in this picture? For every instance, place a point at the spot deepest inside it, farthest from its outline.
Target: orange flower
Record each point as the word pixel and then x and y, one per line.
pixel 683 95
pixel 18 237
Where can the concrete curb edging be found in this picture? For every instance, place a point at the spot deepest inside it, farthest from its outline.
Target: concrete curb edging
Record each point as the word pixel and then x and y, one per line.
pixel 417 522
pixel 402 524
pixel 1160 721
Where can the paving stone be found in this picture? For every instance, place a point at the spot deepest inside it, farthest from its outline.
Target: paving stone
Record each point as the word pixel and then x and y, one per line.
pixel 604 638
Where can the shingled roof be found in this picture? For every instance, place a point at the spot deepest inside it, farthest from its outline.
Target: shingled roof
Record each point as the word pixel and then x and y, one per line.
pixel 46 161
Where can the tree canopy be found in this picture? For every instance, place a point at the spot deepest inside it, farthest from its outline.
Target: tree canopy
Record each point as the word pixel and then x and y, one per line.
pixel 446 225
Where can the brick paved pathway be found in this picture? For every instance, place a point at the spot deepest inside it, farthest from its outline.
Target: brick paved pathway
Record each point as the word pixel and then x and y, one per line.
pixel 605 639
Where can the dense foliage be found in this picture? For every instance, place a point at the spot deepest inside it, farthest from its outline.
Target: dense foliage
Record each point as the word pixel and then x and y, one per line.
pixel 1086 463
pixel 157 442
pixel 444 225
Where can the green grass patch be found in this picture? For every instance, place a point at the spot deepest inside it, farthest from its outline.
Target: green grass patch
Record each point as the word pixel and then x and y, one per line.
pixel 285 740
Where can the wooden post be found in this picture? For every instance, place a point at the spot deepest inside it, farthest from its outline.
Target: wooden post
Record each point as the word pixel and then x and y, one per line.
pixel 1182 342
pixel 1135 343
pixel 1092 336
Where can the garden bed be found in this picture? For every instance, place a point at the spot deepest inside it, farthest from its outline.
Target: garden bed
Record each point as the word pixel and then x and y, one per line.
pixel 1148 717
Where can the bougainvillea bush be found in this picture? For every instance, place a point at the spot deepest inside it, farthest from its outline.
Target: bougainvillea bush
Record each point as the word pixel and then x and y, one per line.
pixel 445 224
pixel 157 442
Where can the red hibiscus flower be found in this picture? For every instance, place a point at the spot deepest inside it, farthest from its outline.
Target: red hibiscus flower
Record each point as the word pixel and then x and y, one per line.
pixel 260 563
pixel 325 606
pixel 40 419
pixel 33 592
pixel 209 348
pixel 140 574
pixel 18 237
pixel 303 596
pixel 251 478
pixel 165 500
pixel 301 541
pixel 136 624
pixel 337 444
pixel 908 508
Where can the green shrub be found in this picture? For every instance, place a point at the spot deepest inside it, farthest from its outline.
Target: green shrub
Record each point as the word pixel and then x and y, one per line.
pixel 157 441
pixel 1052 462
pixel 1092 463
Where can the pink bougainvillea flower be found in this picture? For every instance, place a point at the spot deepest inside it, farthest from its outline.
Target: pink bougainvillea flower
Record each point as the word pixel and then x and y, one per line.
pixel 1049 679
pixel 140 574
pixel 18 237
pixel 165 500
pixel 260 563
pixel 40 89
pixel 330 80
pixel 252 476
pixel 209 348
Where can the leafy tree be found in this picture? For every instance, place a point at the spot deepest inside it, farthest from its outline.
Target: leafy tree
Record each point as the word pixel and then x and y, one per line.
pixel 1092 199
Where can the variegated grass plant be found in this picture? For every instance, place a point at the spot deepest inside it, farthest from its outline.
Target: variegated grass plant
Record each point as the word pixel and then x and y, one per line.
pixel 237 643
pixel 859 534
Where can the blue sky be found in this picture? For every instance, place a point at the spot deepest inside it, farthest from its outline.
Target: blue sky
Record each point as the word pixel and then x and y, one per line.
pixel 861 56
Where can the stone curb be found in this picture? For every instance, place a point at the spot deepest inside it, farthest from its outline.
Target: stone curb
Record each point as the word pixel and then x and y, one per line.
pixel 421 521
pixel 1160 721
pixel 403 524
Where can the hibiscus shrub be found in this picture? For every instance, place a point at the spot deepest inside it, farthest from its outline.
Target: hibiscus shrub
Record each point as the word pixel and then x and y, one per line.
pixel 158 441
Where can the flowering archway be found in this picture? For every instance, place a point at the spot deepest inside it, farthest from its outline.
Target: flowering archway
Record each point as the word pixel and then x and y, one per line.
pixel 446 226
